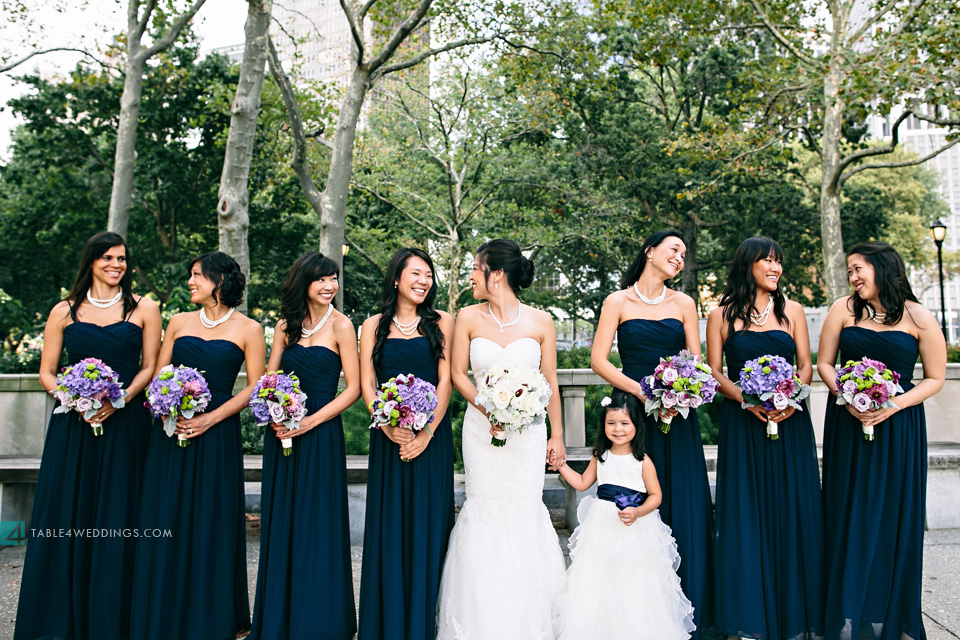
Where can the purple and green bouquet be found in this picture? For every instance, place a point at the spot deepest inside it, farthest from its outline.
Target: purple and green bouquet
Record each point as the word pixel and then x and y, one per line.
pixel 682 382
pixel 84 387
pixel 867 384
pixel 770 382
pixel 175 392
pixel 277 398
pixel 404 401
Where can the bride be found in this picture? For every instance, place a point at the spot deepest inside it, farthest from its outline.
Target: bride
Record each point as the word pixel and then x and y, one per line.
pixel 504 566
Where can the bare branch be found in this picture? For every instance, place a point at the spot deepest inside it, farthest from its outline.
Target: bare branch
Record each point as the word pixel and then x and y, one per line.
pixel 364 254
pixel 942 122
pixel 365 9
pixel 145 20
pixel 779 37
pixel 399 35
pixel 354 29
pixel 376 194
pixel 17 63
pixel 174 31
pixel 872 151
pixel 874 19
pixel 895 165
pixel 903 24
pixel 414 61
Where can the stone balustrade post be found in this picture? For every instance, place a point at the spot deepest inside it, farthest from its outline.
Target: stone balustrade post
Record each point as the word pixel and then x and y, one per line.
pixel 574 427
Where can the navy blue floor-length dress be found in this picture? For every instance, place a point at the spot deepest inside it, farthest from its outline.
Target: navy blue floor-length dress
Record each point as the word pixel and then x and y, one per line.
pixel 769 555
pixel 875 504
pixel 305 580
pixel 193 584
pixel 681 469
pixel 409 517
pixel 79 587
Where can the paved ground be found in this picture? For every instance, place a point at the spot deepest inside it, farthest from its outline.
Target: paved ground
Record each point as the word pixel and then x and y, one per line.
pixel 941 580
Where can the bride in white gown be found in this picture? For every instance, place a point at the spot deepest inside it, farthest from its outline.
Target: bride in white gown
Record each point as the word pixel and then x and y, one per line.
pixel 504 567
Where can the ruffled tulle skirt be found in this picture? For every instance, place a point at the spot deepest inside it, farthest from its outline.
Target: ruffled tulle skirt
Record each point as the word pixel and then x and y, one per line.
pixel 623 582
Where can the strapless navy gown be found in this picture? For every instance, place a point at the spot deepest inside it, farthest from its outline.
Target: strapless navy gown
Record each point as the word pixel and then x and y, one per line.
pixel 681 468
pixel 79 587
pixel 193 584
pixel 409 517
pixel 769 555
pixel 875 505
pixel 305 580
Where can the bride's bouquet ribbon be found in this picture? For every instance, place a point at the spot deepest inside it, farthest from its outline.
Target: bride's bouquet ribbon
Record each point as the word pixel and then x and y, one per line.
pixel 682 382
pixel 85 387
pixel 769 382
pixel 623 497
pixel 867 384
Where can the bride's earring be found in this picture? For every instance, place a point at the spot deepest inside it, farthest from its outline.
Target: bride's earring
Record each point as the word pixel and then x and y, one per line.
pixel 496 285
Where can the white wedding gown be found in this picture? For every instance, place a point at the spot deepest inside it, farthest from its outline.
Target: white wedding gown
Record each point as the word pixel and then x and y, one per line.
pixel 504 567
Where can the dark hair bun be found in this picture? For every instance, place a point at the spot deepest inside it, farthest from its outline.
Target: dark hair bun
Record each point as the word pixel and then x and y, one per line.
pixel 224 272
pixel 525 276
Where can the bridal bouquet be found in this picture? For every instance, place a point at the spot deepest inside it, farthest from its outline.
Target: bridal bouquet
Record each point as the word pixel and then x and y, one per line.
pixel 867 384
pixel 680 382
pixel 277 398
pixel 175 392
pixel 514 396
pixel 770 382
pixel 84 387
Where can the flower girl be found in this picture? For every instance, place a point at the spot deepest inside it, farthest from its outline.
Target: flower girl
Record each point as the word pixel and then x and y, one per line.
pixel 623 581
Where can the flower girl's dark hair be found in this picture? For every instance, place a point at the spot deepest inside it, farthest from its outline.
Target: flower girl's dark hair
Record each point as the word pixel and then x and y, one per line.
pixel 630 404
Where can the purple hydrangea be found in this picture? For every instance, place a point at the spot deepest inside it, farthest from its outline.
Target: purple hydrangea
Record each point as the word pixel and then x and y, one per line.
pixel 404 401
pixel 175 392
pixel 85 387
pixel 771 383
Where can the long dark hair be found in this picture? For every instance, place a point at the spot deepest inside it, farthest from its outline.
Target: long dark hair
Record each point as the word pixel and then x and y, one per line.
pixel 506 255
pixel 307 269
pixel 224 272
pixel 890 278
pixel 429 317
pixel 95 247
pixel 630 404
pixel 741 290
pixel 653 240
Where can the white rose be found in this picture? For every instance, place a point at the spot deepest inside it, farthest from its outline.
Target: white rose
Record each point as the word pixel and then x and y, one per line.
pixel 780 401
pixel 502 398
pixel 84 404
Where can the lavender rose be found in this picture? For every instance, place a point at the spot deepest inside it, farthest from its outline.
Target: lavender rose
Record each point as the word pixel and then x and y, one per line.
pixel 861 402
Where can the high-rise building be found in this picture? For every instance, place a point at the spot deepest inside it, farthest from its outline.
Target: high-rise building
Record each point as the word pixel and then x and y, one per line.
pixel 313 40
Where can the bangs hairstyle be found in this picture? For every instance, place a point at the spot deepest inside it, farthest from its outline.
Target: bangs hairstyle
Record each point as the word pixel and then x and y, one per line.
pixel 224 272
pixel 429 317
pixel 630 404
pixel 890 278
pixel 636 269
pixel 294 304
pixel 506 255
pixel 93 250
pixel 740 293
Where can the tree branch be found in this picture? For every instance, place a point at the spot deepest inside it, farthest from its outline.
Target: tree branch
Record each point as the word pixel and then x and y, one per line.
pixel 364 254
pixel 412 62
pixel 895 165
pixel 365 9
pixel 145 20
pixel 174 32
pixel 393 204
pixel 40 52
pixel 873 151
pixel 354 29
pixel 779 37
pixel 399 36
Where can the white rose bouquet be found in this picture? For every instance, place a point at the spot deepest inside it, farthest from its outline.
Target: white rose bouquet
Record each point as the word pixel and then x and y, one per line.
pixel 514 396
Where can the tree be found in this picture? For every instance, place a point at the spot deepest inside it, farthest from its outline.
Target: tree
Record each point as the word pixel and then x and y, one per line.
pixel 232 208
pixel 134 66
pixel 399 41
pixel 845 61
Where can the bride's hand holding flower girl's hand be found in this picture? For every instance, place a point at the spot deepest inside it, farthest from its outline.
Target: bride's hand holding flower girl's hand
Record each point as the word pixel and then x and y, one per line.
pixel 399 435
pixel 629 515
pixel 556 454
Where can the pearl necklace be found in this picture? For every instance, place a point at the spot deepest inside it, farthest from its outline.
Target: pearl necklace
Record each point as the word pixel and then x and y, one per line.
pixel 761 318
pixel 104 304
pixel 407 329
pixel 306 333
pixel 657 300
pixel 210 324
pixel 879 318
pixel 508 324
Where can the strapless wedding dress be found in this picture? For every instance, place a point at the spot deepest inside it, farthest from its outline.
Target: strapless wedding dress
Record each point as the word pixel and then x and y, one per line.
pixel 504 567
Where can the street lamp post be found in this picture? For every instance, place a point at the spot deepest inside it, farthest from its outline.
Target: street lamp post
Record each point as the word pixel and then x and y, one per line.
pixel 939 231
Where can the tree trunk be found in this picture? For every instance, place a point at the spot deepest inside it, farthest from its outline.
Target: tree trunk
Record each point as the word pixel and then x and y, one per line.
pixel 453 284
pixel 833 259
pixel 126 155
pixel 690 269
pixel 233 218
pixel 337 189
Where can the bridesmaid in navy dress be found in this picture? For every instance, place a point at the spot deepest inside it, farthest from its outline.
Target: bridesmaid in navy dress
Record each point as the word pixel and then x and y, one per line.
pixel 305 579
pixel 651 321
pixel 79 587
pixel 875 492
pixel 410 479
pixel 769 553
pixel 192 583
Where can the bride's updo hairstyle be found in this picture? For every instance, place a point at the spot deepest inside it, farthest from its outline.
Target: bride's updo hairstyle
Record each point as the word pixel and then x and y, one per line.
pixel 629 403
pixel 506 255
pixel 890 278
pixel 653 240
pixel 224 272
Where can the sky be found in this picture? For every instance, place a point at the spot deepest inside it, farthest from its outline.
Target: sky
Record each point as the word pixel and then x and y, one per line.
pixel 218 23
